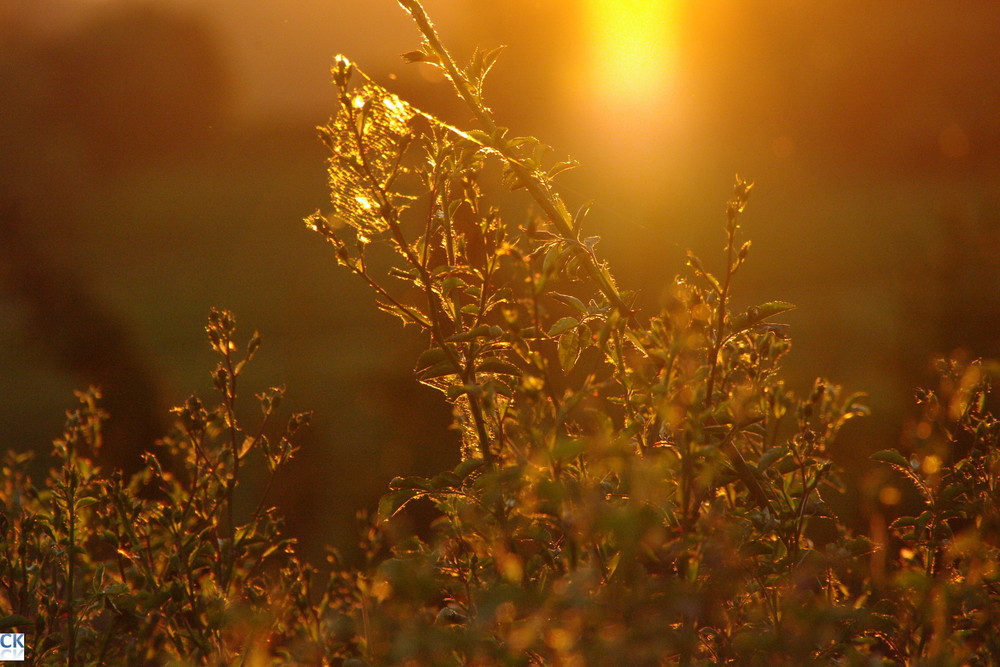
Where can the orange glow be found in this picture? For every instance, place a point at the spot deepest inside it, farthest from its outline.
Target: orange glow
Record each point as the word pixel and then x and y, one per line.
pixel 635 47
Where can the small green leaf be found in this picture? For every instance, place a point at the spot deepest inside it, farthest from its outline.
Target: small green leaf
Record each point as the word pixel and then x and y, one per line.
pixel 569 301
pixel 457 390
pixel 417 483
pixel 613 564
pixel 768 458
pixel 569 349
pixel 85 502
pixel 253 345
pixel 758 314
pixel 563 325
pixel 440 369
pixel 787 465
pixel 445 480
pixel 490 58
pixel 560 167
pixel 431 357
pixel 890 456
pixel 408 315
pixel 567 449
pixel 494 365
pixel 482 331
pixel 467 467
pixel 392 503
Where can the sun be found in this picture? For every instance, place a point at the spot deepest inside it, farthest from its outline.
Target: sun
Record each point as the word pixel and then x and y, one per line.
pixel 635 48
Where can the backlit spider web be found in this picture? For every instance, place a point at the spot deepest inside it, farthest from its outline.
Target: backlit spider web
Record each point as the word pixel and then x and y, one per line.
pixel 367 138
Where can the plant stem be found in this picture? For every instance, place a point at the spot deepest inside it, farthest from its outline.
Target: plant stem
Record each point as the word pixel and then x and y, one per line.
pixel 549 202
pixel 389 215
pixel 721 313
pixel 70 569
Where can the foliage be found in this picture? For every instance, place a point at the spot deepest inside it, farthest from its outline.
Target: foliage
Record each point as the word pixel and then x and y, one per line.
pixel 634 489
pixel 158 569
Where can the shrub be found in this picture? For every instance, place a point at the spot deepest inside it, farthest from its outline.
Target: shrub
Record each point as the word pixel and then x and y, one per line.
pixel 634 489
pixel 159 568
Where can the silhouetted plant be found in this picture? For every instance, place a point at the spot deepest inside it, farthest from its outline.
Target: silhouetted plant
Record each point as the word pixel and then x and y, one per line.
pixel 159 568
pixel 634 489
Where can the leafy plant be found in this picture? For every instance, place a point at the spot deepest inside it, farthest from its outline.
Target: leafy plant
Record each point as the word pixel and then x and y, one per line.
pixel 634 489
pixel 160 568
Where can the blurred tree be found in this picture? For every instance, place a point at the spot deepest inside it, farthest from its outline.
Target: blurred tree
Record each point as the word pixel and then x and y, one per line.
pixel 131 82
pixel 81 336
pixel 138 81
pixel 965 304
pixel 114 88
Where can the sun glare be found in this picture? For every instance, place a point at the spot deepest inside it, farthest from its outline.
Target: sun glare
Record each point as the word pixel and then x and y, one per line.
pixel 635 47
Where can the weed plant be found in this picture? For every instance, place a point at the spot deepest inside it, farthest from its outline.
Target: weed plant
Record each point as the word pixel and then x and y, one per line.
pixel 635 489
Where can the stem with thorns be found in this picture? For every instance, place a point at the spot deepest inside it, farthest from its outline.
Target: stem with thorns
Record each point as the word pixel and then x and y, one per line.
pixel 550 202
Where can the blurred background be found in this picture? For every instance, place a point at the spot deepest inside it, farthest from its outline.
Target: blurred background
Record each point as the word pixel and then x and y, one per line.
pixel 157 157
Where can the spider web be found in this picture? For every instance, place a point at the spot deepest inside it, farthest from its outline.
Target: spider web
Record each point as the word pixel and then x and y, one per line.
pixel 368 141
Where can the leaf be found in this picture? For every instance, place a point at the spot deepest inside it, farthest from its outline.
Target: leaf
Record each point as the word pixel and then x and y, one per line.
pixel 551 261
pixel 247 445
pixel 892 457
pixel 408 315
pixel 253 345
pixel 495 365
pixel 392 503
pixel 560 167
pixel 581 213
pixel 856 401
pixel 758 314
pixel 482 331
pixel 491 57
pixel 903 522
pixel 779 330
pixel 787 465
pixel 418 483
pixel 563 325
pixel 457 390
pixel 570 301
pixel 699 269
pixel 569 349
pixel 440 369
pixel 85 502
pixel 497 386
pixel 445 480
pixel 613 564
pixel 430 357
pixel 768 458
pixel 567 449
pixel 467 467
